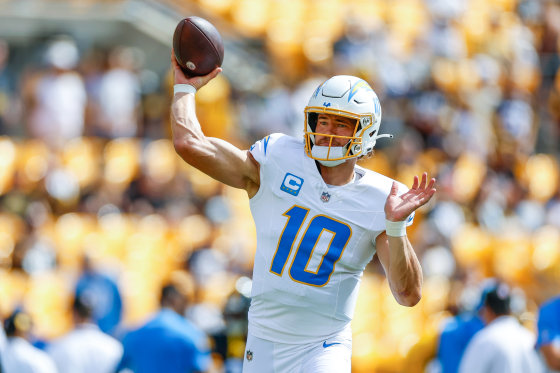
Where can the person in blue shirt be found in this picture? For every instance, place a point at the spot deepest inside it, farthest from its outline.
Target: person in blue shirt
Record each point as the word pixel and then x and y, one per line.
pixel 548 337
pixel 104 294
pixel 168 342
pixel 454 339
pixel 459 330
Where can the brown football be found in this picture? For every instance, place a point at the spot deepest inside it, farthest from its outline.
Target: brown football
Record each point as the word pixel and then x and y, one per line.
pixel 198 46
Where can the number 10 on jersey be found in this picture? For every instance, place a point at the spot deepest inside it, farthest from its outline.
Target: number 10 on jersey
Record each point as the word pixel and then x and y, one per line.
pixel 341 234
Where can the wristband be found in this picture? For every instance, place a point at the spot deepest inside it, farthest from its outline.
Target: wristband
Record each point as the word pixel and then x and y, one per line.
pixel 183 88
pixel 395 228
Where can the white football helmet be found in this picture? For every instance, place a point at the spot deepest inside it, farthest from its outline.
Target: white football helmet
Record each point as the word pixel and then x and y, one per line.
pixel 350 97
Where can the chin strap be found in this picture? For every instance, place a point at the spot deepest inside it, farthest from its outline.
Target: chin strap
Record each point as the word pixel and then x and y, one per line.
pixel 332 163
pixel 321 152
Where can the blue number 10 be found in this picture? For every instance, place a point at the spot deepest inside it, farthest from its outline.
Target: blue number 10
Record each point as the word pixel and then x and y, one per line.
pixel 341 233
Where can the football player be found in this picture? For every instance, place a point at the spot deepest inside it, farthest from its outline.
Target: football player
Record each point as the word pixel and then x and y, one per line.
pixel 319 218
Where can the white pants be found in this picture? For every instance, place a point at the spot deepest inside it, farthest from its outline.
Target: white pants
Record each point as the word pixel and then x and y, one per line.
pixel 330 356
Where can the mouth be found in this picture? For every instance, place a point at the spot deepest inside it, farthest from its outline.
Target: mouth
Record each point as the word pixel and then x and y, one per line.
pixel 327 143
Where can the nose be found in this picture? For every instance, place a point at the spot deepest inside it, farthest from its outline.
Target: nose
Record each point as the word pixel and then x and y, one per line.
pixel 331 129
pixel 326 128
pixel 324 140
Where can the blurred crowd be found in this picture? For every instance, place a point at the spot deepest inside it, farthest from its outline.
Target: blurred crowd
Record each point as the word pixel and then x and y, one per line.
pixel 95 201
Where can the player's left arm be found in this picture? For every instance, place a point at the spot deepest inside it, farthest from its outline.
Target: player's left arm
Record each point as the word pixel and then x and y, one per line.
pixel 396 253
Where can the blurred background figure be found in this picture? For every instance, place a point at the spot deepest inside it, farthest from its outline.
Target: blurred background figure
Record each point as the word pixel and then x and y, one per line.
pixel 168 342
pixel 56 97
pixel 235 314
pixel 119 95
pixel 454 338
pixel 85 349
pixel 9 104
pixel 3 342
pixel 103 293
pixel 20 356
pixel 548 338
pixel 459 330
pixel 504 345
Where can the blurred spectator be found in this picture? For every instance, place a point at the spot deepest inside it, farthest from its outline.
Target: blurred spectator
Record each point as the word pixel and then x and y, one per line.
pixel 19 355
pixel 4 82
pixel 8 105
pixel 85 349
pixel 548 338
pixel 235 313
pixel 56 99
pixel 454 339
pixel 503 346
pixel 168 342
pixel 3 342
pixel 103 292
pixel 459 331
pixel 119 96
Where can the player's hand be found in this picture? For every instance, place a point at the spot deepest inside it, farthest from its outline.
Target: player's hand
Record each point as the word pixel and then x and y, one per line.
pixel 398 208
pixel 198 82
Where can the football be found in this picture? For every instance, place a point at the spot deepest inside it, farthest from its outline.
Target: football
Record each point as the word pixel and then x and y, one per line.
pixel 198 46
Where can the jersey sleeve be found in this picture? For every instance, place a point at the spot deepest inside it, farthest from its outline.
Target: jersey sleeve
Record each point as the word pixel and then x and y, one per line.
pixel 262 149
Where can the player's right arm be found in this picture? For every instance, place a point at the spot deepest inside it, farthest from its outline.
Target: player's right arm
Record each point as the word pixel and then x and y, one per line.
pixel 215 157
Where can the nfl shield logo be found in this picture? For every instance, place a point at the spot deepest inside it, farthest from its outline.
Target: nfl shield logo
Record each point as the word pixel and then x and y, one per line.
pixel 325 197
pixel 249 355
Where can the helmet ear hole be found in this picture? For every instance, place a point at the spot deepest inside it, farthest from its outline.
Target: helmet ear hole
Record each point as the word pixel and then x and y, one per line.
pixel 372 133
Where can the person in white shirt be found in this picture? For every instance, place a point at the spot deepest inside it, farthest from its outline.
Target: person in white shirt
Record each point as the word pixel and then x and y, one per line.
pixel 119 96
pixel 57 99
pixel 3 342
pixel 503 345
pixel 20 356
pixel 85 349
pixel 319 217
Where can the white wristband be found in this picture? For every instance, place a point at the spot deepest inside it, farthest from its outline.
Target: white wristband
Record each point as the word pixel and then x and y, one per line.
pixel 395 228
pixel 183 88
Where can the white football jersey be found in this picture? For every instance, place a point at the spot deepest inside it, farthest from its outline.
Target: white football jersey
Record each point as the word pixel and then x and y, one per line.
pixel 313 243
